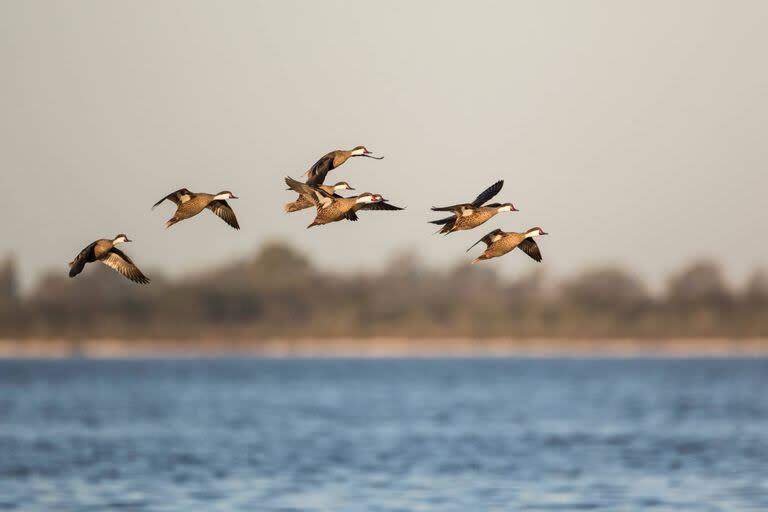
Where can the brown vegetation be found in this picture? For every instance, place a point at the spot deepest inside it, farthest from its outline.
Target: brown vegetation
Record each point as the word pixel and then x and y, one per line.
pixel 278 294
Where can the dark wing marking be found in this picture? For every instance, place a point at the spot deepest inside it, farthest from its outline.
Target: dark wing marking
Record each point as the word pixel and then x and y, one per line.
pixel 298 186
pixel 351 215
pixel 180 196
pixel 448 227
pixel 319 197
pixel 118 260
pixel 446 220
pixel 308 190
pixel 380 206
pixel 456 208
pixel 488 193
pixel 221 209
pixel 316 174
pixel 484 196
pixel 488 239
pixel 86 255
pixel 529 247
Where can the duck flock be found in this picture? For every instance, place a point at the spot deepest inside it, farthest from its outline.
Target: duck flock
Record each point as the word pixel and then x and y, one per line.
pixel 329 207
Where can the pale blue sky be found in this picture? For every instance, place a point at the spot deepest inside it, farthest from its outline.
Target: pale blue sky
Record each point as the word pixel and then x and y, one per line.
pixel 634 132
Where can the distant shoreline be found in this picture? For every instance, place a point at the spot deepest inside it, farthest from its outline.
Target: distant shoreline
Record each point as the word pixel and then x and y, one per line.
pixel 386 348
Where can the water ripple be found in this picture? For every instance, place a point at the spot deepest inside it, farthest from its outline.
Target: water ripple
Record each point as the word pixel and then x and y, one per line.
pixel 449 435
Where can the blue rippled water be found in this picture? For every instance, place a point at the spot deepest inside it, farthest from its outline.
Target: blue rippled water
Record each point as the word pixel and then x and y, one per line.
pixel 384 435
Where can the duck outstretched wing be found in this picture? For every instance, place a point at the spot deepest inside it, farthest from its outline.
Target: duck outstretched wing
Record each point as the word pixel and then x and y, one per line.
pixel 381 206
pixel 221 209
pixel 488 193
pixel 455 208
pixel 318 196
pixel 440 222
pixel 178 197
pixel 316 174
pixel 119 261
pixel 529 247
pixel 490 238
pixel 86 255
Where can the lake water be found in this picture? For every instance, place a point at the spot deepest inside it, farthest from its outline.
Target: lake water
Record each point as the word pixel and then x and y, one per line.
pixel 384 435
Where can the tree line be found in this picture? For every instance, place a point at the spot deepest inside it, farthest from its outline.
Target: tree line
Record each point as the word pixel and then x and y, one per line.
pixel 278 293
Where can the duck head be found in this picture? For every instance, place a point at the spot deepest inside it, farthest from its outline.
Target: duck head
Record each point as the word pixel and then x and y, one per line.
pixel 121 238
pixel 342 185
pixel 537 231
pixel 504 207
pixel 367 197
pixel 226 194
pixel 363 151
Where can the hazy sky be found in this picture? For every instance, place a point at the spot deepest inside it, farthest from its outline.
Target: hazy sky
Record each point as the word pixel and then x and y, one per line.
pixel 634 132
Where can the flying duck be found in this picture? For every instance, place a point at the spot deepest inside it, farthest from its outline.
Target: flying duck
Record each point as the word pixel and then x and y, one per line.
pixel 471 215
pixel 303 201
pixel 316 174
pixel 331 208
pixel 104 250
pixel 189 204
pixel 500 243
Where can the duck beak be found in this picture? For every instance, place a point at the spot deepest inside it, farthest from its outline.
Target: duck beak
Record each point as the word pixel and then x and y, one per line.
pixel 234 197
pixel 128 240
pixel 350 188
pixel 369 155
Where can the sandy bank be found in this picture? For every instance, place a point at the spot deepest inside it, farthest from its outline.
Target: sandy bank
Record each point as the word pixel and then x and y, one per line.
pixel 389 347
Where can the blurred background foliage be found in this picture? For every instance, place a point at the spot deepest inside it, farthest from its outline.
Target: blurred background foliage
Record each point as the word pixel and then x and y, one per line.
pixel 277 292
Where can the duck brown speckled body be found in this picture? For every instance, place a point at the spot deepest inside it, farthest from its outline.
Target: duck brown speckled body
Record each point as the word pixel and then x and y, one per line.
pixel 471 215
pixel 189 204
pixel 303 201
pixel 499 243
pixel 105 251
pixel 332 208
pixel 316 174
